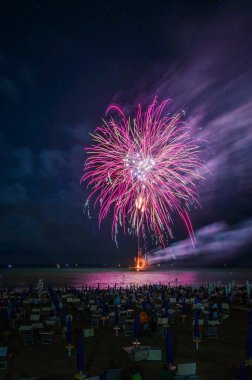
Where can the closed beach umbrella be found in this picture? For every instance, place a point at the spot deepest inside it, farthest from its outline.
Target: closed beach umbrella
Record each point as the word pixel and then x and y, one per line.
pixel 211 312
pixel 144 305
pixel 169 353
pixel 196 326
pixel 184 308
pixel 116 316
pixel 166 312
pixel 69 331
pixel 243 372
pixel 250 317
pixel 137 326
pixel 80 358
pixel 249 342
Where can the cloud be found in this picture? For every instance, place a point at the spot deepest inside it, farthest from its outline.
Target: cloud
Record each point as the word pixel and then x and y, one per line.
pixel 214 242
pixel 8 87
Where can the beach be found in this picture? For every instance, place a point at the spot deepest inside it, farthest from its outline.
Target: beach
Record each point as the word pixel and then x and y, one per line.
pixel 93 310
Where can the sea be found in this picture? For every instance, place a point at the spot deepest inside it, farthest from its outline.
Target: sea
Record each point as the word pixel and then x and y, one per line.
pixel 119 277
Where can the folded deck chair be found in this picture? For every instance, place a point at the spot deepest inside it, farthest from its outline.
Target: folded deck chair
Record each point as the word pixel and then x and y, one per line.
pixel 3 358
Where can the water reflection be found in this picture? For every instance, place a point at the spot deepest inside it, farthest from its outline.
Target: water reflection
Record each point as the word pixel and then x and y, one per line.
pixel 120 277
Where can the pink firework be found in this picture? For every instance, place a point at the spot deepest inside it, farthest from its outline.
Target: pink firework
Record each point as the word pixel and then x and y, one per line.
pixel 143 171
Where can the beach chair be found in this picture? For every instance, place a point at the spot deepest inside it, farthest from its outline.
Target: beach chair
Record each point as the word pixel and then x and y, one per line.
pixel 93 308
pixel 3 358
pixel 88 332
pixel 114 374
pixel 13 324
pixel 161 331
pixel 95 321
pixel 128 329
pixel 162 321
pixel 212 332
pixel 46 337
pixel 187 369
pixel 139 354
pixel 225 311
pixel 154 354
pixel 28 338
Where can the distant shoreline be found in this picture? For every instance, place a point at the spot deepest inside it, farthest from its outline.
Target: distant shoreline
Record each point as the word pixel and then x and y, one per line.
pixel 121 267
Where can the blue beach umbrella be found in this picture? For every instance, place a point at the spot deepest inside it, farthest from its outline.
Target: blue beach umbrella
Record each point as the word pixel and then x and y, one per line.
pixel 250 317
pixel 116 316
pixel 249 342
pixel 137 326
pixel 144 305
pixel 169 353
pixel 184 307
pixel 196 326
pixel 69 331
pixel 130 302
pixel 243 372
pixel 166 312
pixel 80 356
pixel 211 312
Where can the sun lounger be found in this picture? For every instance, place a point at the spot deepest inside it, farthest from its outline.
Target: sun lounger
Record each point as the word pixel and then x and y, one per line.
pixel 114 374
pixel 3 358
pixel 162 321
pixel 212 332
pixel 139 354
pixel 88 332
pixel 154 354
pixel 161 330
pixel 46 337
pixel 27 337
pixel 95 320
pixel 187 369
pixel 128 329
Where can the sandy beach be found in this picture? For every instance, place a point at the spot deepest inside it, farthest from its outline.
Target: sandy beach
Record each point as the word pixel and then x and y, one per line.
pixel 216 358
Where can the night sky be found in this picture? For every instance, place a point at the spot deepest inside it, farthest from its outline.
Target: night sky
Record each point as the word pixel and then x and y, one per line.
pixel 62 63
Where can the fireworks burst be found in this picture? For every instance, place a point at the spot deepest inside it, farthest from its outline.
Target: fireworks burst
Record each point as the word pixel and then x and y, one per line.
pixel 143 170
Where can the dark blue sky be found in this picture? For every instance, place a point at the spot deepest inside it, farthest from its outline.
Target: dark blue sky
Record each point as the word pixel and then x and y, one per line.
pixel 63 62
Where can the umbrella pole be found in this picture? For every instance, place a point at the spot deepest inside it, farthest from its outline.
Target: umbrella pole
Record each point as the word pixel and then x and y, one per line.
pixel 69 350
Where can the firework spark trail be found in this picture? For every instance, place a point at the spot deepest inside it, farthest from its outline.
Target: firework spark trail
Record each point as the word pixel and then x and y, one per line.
pixel 143 170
